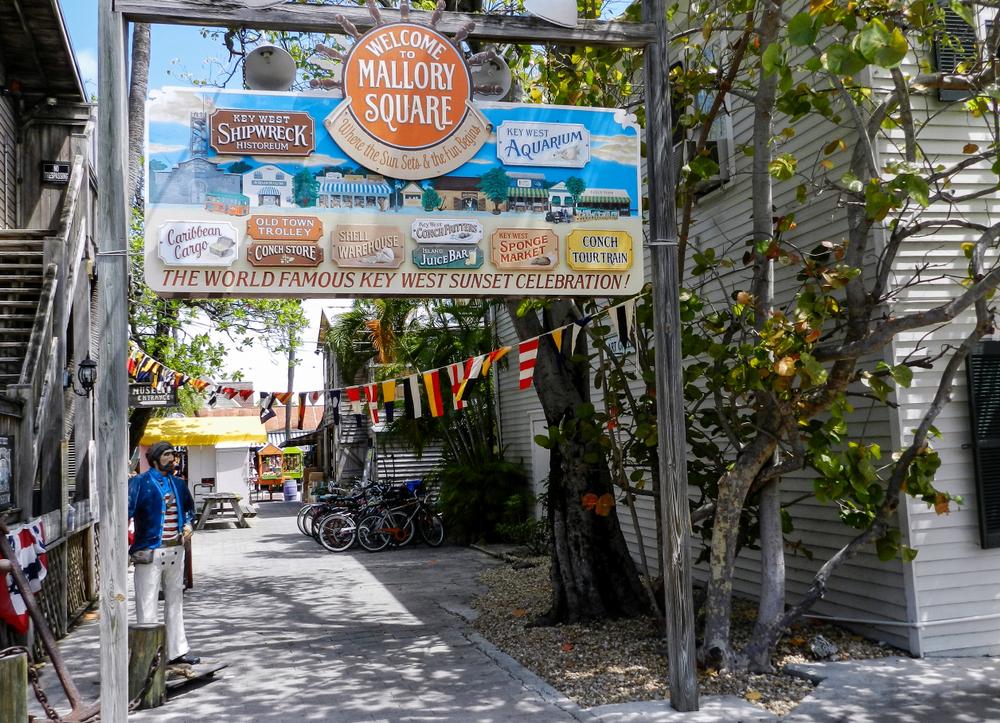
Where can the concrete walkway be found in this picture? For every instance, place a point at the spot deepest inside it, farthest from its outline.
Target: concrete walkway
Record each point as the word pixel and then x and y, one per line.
pixel 359 637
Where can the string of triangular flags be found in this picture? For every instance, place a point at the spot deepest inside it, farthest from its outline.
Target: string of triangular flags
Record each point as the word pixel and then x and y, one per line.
pixel 458 378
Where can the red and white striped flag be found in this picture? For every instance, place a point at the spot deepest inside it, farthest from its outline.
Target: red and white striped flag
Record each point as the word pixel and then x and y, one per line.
pixel 526 352
pixel 456 372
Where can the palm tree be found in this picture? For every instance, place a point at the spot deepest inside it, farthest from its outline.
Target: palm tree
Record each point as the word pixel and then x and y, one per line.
pixel 371 331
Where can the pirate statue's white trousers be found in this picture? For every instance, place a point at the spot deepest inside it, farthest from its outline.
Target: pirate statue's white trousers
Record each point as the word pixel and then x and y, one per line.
pixel 168 564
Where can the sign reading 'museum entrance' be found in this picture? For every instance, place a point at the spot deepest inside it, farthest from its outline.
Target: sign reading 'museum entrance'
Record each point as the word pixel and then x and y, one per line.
pixel 403 189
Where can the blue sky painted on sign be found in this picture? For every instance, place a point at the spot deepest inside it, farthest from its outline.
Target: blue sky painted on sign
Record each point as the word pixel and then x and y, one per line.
pixel 612 165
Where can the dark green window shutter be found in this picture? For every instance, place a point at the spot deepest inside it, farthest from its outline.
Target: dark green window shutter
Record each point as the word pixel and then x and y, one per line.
pixel 983 371
pixel 956 44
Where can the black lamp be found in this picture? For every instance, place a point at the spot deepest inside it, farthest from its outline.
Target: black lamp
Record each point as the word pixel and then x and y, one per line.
pixel 87 374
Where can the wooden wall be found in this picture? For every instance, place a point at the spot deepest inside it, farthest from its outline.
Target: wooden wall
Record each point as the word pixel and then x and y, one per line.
pixel 8 159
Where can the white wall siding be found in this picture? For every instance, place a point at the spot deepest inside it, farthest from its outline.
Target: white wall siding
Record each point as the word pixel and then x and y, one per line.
pixel 953 577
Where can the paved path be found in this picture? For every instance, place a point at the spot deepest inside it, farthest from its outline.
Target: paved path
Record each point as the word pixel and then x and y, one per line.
pixel 317 636
pixel 358 637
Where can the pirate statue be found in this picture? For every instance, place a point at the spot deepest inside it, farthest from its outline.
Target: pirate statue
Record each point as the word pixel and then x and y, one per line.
pixel 162 511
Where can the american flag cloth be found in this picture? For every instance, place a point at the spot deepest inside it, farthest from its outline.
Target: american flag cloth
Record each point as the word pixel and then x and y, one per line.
pixel 28 545
pixel 527 351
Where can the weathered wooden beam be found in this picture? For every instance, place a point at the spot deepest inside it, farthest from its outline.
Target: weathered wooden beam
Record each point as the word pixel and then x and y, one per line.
pixel 14 688
pixel 112 379
pixel 321 19
pixel 672 448
pixel 147 644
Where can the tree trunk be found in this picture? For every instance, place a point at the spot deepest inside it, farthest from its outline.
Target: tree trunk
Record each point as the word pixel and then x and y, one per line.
pixel 735 484
pixel 733 489
pixel 291 386
pixel 772 576
pixel 593 574
pixel 139 82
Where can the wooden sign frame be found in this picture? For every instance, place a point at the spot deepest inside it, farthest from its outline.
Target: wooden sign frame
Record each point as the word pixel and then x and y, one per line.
pixel 650 35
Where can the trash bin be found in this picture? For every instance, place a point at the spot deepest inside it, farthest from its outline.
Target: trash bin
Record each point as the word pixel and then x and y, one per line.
pixel 291 490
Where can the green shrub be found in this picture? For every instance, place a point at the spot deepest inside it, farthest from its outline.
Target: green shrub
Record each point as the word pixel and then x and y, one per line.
pixel 473 499
pixel 520 527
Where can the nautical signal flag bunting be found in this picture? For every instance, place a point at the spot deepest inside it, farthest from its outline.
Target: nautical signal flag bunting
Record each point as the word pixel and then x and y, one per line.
pixel 461 378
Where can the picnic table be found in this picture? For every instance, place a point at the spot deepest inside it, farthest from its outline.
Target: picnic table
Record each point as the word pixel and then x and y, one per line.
pixel 213 508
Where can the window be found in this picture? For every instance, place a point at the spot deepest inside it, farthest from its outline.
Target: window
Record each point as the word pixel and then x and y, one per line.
pixel 279 176
pixel 983 375
pixel 957 45
pixel 719 145
pixel 258 175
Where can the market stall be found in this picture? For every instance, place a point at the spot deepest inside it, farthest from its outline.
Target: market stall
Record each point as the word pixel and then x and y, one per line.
pixel 216 450
pixel 292 468
pixel 269 467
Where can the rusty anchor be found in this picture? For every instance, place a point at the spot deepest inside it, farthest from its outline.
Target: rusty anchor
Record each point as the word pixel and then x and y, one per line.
pixel 81 710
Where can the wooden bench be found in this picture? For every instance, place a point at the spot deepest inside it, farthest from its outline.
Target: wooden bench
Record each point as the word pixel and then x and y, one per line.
pixel 213 508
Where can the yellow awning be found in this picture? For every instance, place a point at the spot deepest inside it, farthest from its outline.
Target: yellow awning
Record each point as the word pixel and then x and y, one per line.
pixel 204 431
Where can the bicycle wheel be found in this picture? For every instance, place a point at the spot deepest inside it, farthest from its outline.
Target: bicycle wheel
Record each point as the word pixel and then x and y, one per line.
pixel 305 518
pixel 317 522
pixel 399 528
pixel 431 528
pixel 337 533
pixel 372 534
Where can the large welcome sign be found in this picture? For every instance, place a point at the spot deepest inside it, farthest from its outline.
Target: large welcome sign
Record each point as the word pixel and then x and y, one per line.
pixel 404 186
pixel 407 110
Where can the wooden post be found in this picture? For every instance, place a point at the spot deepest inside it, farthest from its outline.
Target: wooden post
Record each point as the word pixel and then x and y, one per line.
pixel 112 383
pixel 670 422
pixel 14 688
pixel 146 641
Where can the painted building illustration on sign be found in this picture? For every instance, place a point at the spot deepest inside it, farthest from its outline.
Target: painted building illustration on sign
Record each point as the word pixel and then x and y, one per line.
pixel 485 226
pixel 335 190
pixel 268 186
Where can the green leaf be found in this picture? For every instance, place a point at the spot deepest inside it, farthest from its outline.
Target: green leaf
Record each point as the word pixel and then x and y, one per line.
pixel 783 167
pixel 916 187
pixel 802 30
pixel 843 60
pixel 963 11
pixel 852 183
pixel 886 549
pixel 772 58
pixel 703 167
pixel 873 40
pixel 542 441
pixel 902 374
pixel 909 554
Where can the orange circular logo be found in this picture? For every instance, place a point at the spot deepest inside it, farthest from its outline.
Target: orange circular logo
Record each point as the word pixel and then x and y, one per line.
pixel 408 85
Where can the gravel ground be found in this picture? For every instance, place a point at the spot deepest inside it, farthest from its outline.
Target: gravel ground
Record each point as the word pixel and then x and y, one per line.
pixel 621 661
